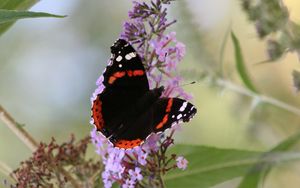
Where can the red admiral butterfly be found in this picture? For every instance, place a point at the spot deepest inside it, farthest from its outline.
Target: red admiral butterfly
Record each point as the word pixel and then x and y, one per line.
pixel 126 111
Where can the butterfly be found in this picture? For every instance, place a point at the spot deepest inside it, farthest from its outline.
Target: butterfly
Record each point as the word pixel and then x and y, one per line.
pixel 126 110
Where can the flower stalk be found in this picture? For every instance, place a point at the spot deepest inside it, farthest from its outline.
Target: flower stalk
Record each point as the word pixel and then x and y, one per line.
pixel 60 165
pixel 261 98
pixel 30 142
pixel 5 169
pixel 21 133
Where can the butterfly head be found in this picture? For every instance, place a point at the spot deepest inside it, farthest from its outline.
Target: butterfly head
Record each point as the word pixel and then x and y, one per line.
pixel 121 45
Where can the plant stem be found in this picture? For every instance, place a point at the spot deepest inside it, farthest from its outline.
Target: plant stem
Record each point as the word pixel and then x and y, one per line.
pixel 5 169
pixel 21 133
pixel 94 177
pixel 161 181
pixel 28 140
pixel 74 183
pixel 261 98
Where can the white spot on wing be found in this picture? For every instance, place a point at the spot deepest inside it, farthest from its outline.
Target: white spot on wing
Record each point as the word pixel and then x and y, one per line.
pixel 128 57
pixel 119 58
pixel 179 116
pixel 132 54
pixel 120 65
pixel 182 108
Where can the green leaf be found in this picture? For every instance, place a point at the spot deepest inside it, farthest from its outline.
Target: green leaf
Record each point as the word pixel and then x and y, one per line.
pixel 13 15
pixel 259 171
pixel 209 166
pixel 17 4
pixel 240 64
pixel 222 50
pixel 14 5
pixel 287 144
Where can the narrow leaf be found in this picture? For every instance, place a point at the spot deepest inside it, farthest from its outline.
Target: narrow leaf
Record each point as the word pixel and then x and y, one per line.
pixel 14 5
pixel 240 64
pixel 209 166
pixel 17 4
pixel 287 144
pixel 222 50
pixel 13 15
pixel 259 171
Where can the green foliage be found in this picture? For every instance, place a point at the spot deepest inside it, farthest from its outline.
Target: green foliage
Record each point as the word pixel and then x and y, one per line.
pixel 209 166
pixel 240 64
pixel 270 16
pixel 272 22
pixel 14 5
pixel 12 10
pixel 222 50
pixel 259 171
pixel 17 4
pixel 275 50
pixel 13 15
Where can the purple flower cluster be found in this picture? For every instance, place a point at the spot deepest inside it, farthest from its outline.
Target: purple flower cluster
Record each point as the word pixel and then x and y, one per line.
pixel 169 53
pixel 168 56
pixel 125 166
pixel 145 21
pixel 161 53
pixel 140 166
pixel 130 167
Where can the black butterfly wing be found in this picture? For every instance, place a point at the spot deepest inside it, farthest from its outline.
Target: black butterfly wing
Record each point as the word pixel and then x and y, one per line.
pixel 170 111
pixel 125 70
pixel 164 113
pixel 133 133
pixel 123 82
pixel 122 86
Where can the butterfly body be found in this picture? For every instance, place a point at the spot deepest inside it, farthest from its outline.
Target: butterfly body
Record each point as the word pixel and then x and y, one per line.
pixel 126 111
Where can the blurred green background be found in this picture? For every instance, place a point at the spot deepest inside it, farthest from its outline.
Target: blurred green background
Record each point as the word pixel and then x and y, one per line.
pixel 48 70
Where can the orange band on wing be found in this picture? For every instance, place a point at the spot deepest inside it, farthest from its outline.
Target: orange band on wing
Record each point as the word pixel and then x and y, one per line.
pixel 164 121
pixel 131 73
pixel 127 144
pixel 138 73
pixel 97 114
pixel 121 74
pixel 115 76
pixel 169 106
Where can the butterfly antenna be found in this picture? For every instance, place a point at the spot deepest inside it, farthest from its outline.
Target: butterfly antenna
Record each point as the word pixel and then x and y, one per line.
pixel 193 82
